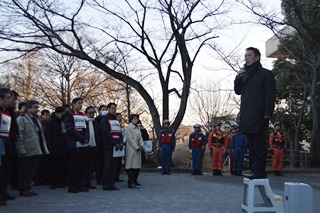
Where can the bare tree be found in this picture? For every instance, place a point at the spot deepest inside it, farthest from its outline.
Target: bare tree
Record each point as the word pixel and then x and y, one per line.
pixel 209 104
pixel 185 27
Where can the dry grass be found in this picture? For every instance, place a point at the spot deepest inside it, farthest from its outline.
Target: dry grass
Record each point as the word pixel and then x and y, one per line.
pixel 181 154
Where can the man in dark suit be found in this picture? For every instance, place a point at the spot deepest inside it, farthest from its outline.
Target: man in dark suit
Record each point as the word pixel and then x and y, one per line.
pixel 256 85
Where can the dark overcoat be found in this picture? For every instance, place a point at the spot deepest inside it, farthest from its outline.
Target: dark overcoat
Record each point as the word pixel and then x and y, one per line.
pixel 258 93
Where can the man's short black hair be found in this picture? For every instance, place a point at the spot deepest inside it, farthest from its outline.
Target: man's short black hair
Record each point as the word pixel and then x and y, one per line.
pixel 14 93
pixel 76 100
pixel 110 104
pixel 45 111
pixel 20 105
pixel 101 106
pixel 87 109
pixel 4 91
pixel 65 106
pixel 59 109
pixel 30 103
pixel 256 52
pixel 118 113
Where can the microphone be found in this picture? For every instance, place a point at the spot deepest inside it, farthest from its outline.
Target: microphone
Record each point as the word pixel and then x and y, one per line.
pixel 241 74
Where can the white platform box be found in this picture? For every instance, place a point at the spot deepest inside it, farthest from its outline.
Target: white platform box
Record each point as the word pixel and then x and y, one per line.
pixel 298 197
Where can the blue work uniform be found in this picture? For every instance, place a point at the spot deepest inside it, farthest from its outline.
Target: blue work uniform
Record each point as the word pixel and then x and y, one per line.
pixel 239 144
pixel 167 144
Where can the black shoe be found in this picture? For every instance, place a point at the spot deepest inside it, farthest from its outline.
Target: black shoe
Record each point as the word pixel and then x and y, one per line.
pixel 138 185
pixel 214 172
pixel 168 172
pixel 91 187
pixel 83 189
pixel 280 173
pixel 131 186
pixel 248 174
pixel 257 176
pixel 219 173
pixel 199 172
pixel 194 172
pixel 9 197
pixel 52 186
pixel 113 188
pixel 107 188
pixel 15 188
pixel 164 172
pixel 73 190
pixel 60 185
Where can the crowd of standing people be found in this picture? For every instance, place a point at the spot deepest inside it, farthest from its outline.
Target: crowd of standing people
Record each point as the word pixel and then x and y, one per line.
pixel 66 148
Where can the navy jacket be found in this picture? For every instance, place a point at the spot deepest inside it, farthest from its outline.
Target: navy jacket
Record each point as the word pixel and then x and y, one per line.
pixel 108 141
pixel 72 135
pixel 56 140
pixel 258 94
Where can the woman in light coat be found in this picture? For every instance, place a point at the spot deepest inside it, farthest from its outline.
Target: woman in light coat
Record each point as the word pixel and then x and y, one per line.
pixel 133 151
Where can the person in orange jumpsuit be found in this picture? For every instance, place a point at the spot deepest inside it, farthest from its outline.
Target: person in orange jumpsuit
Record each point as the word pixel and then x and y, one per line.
pixel 228 146
pixel 216 144
pixel 278 144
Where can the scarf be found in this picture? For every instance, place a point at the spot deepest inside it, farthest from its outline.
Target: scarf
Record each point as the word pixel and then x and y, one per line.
pixel 250 70
pixel 92 139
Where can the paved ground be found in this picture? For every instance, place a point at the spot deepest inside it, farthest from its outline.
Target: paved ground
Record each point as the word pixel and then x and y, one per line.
pixel 179 192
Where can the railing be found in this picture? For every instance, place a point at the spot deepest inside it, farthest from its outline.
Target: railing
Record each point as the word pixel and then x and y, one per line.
pixel 300 159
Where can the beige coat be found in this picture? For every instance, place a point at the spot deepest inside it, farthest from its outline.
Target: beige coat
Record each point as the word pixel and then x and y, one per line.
pixel 28 142
pixel 134 140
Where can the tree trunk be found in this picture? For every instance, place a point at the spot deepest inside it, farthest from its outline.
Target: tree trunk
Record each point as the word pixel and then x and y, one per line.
pixel 165 101
pixel 315 145
pixel 128 99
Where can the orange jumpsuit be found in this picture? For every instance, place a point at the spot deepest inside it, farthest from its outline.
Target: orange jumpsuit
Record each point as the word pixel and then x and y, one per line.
pixel 277 142
pixel 228 146
pixel 216 143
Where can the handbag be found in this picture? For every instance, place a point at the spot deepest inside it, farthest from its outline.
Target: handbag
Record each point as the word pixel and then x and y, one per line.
pixel 118 153
pixel 147 146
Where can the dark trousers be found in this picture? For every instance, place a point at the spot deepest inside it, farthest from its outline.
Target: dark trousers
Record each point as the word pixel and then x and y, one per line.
pixel 196 157
pixel 57 168
pixel 238 156
pixel 143 158
pixel 98 167
pixel 258 151
pixel 166 154
pixel 5 173
pixel 118 169
pixel 98 170
pixel 90 158
pixel 27 170
pixel 133 175
pixel 109 169
pixel 75 173
pixel 14 181
pixel 41 177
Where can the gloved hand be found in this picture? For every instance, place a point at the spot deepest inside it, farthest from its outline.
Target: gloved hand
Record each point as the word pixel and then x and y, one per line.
pixel 271 151
pixel 121 146
pixel 190 151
